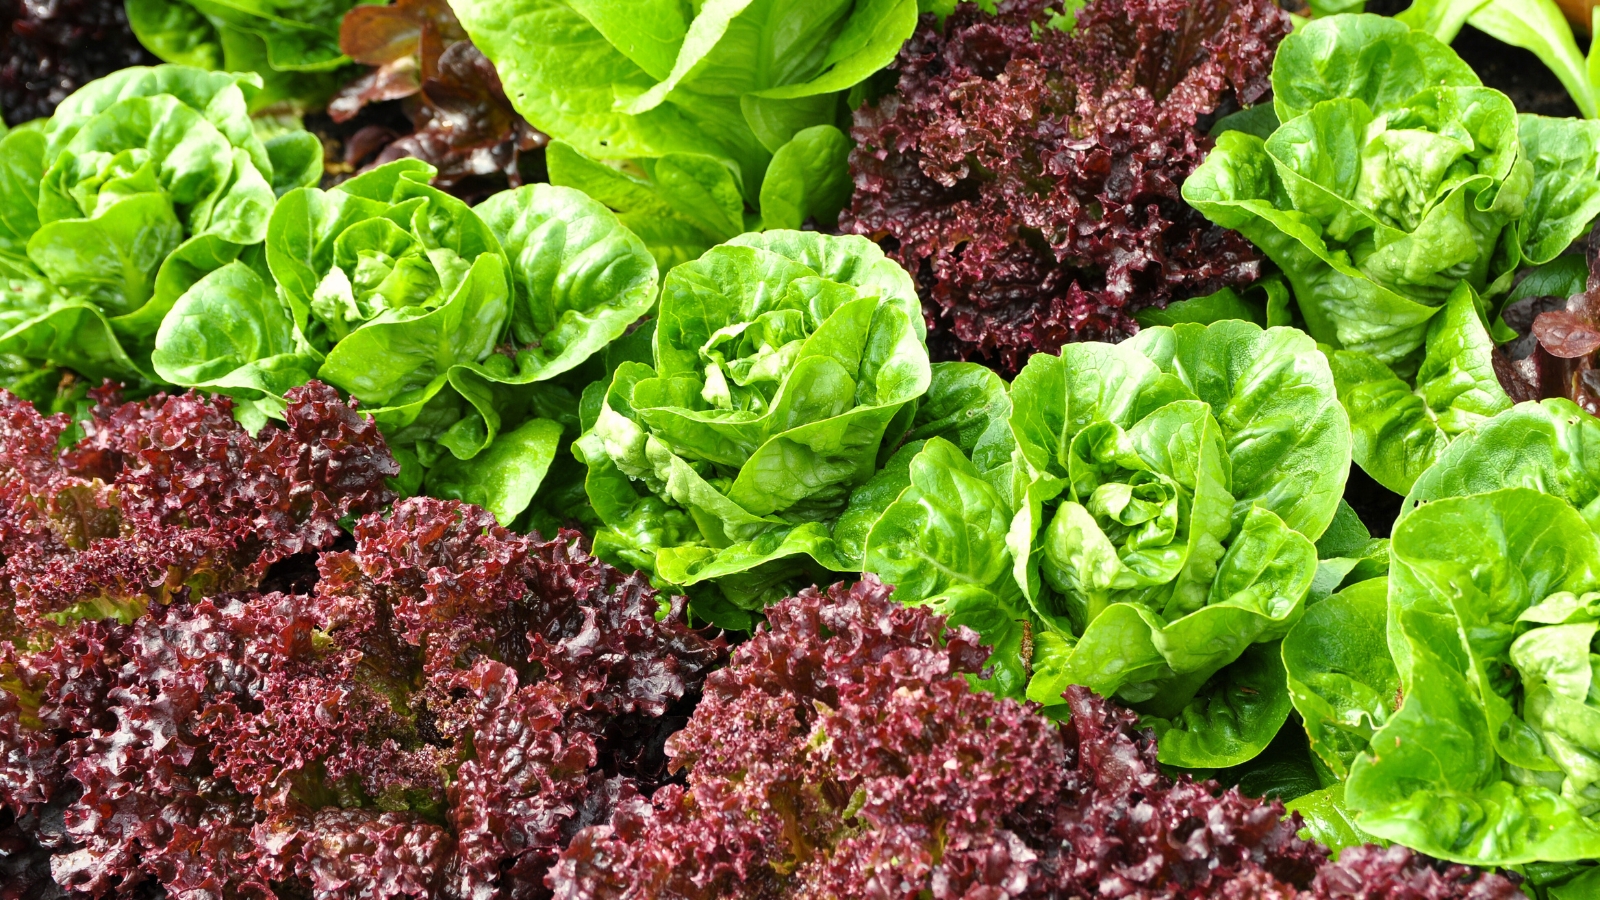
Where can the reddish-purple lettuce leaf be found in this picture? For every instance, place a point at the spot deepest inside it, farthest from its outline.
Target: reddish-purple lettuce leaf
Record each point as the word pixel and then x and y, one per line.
pixel 1030 178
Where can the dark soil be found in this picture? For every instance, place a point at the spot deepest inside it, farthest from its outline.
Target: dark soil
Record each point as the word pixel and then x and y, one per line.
pixel 374 126
pixel 1376 505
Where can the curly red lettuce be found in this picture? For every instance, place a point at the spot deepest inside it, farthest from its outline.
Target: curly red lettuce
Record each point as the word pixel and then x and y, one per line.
pixel 169 497
pixel 437 718
pixel 50 48
pixel 844 754
pixel 1030 177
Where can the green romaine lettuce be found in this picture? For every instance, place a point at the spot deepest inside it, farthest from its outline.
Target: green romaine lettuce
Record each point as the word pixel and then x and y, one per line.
pixel 139 185
pixel 753 88
pixel 292 44
pixel 440 319
pixel 1174 487
pixel 1394 176
pixel 781 362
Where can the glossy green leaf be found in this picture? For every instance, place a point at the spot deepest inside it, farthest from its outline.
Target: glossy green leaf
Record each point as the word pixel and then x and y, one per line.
pixel 809 179
pixel 1341 679
pixel 1400 431
pixel 505 475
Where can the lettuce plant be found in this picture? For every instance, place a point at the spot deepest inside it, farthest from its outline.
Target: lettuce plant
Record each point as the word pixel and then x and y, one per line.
pixel 1489 758
pixel 1400 197
pixel 439 318
pixel 780 362
pixel 293 45
pixel 462 123
pixel 1023 241
pixel 140 184
pixel 1175 484
pixel 169 497
pixel 707 99
pixel 841 754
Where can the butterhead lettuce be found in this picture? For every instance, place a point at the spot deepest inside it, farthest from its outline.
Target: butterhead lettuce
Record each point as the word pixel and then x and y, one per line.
pixel 1175 485
pixel 1400 197
pixel 454 327
pixel 141 183
pixel 1394 176
pixel 780 363
pixel 720 105
pixel 293 45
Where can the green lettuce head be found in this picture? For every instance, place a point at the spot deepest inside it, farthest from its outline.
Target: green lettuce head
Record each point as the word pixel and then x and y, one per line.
pixel 1394 177
pixel 139 184
pixel 721 105
pixel 1175 485
pixel 454 327
pixel 780 363
pixel 1487 727
pixel 292 44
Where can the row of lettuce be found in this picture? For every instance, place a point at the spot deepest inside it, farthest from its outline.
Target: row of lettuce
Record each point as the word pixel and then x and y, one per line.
pixel 1159 520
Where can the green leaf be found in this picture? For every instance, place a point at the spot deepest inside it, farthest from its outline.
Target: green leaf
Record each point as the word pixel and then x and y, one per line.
pixel 1398 431
pixel 231 334
pixel 671 237
pixel 580 278
pixel 1224 304
pixel 733 80
pixel 945 532
pixel 1566 193
pixel 1561 277
pixel 278 41
pixel 1377 60
pixel 1461 770
pixel 503 477
pixel 296 160
pixel 175 32
pixel 942 542
pixel 1233 717
pixel 1274 397
pixel 968 405
pixel 1543 446
pixel 809 179
pixel 1341 679
pixel 1328 821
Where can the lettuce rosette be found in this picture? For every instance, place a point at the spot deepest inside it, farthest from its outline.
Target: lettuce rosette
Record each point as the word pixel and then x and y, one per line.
pixel 1175 486
pixel 1400 197
pixel 780 363
pixel 139 184
pixel 1482 718
pixel 719 108
pixel 456 328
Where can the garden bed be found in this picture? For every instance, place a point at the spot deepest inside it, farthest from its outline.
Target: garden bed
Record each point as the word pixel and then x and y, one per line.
pixel 907 449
